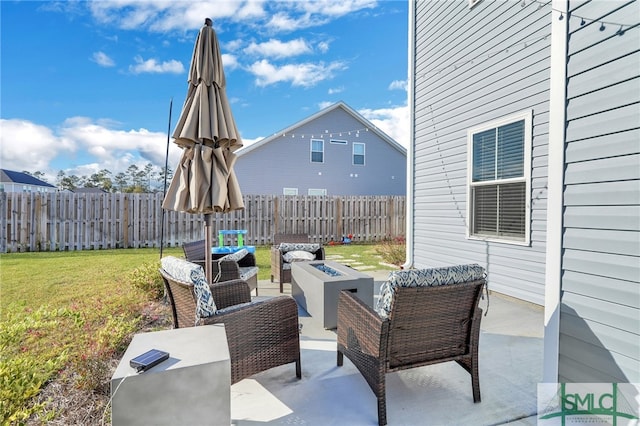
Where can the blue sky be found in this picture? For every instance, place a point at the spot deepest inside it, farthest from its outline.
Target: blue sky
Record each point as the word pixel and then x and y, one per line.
pixel 86 85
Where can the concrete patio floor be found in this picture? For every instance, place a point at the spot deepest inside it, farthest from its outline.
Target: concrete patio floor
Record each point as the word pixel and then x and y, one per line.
pixel 510 369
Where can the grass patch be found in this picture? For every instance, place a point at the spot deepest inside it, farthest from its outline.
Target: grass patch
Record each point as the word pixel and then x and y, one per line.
pixel 67 317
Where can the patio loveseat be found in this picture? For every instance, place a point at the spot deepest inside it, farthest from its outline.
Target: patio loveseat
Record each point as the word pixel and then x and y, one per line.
pixel 422 317
pixel 260 334
pixel 288 248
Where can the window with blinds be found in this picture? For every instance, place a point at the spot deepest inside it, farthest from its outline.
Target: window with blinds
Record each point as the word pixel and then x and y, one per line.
pixel 317 151
pixel 358 154
pixel 499 179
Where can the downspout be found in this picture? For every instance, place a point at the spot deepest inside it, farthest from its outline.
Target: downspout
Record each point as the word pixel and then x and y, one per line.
pixel 409 233
pixel 555 178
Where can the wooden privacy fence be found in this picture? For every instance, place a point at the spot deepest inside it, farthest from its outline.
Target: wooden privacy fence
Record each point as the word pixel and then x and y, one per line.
pixel 67 221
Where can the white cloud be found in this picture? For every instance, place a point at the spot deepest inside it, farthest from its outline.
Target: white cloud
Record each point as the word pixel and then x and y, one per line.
pixel 278 49
pixel 335 90
pixel 102 59
pixel 165 16
pixel 325 104
pixel 154 67
pixel 229 62
pixel 336 8
pixel 399 85
pixel 393 121
pixel 29 146
pixel 323 46
pixel 299 75
pixel 91 145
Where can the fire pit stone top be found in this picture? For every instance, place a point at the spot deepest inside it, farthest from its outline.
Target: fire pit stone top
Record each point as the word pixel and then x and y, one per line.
pixel 327 269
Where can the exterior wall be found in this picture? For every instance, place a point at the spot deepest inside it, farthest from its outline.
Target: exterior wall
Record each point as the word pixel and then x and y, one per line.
pixel 21 187
pixel 285 161
pixel 473 66
pixel 600 285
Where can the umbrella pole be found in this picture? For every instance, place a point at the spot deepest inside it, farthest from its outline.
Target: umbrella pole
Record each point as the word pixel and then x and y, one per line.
pixel 164 188
pixel 208 243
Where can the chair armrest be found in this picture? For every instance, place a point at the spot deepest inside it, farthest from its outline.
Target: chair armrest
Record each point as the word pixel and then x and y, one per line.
pixel 276 257
pixel 229 293
pixel 360 327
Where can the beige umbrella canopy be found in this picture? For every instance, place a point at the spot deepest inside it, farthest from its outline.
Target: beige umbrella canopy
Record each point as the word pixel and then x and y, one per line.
pixel 204 180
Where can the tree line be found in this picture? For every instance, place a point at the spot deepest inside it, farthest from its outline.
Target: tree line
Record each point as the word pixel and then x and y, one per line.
pixel 148 179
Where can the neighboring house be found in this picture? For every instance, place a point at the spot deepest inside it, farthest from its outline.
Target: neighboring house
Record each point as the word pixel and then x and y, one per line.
pixel 525 158
pixel 333 152
pixel 11 181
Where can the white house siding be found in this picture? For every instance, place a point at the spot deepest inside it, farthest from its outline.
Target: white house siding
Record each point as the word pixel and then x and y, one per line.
pixel 285 161
pixel 600 297
pixel 473 66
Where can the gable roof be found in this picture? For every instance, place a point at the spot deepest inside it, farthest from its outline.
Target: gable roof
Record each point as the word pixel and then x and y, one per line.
pixel 11 176
pixel 366 124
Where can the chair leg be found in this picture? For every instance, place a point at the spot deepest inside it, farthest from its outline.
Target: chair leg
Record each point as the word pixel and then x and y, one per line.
pixel 475 379
pixel 382 409
pixel 298 368
pixel 340 359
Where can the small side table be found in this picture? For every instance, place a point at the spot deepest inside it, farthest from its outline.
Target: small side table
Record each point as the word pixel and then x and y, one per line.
pixel 193 386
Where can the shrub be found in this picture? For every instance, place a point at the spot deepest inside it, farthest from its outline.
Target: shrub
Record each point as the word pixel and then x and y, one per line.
pixel 147 278
pixel 392 250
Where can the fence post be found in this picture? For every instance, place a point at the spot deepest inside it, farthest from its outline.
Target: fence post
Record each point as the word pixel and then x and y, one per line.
pixel 339 224
pixel 276 215
pixel 125 222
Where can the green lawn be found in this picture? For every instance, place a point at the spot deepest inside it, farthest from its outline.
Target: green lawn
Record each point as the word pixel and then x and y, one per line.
pixel 66 315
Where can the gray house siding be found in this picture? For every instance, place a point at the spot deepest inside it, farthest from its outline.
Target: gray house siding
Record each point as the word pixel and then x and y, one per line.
pixel 600 286
pixel 473 66
pixel 285 160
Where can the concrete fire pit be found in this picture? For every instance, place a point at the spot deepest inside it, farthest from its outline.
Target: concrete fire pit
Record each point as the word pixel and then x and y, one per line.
pixel 316 286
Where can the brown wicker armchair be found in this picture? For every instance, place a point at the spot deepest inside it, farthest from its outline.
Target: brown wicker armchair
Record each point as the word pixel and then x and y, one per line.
pixel 280 269
pixel 223 270
pixel 261 335
pixel 425 325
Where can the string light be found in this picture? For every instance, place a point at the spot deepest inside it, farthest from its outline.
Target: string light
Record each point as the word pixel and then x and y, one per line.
pixel 489 55
pixel 330 135
pixel 584 21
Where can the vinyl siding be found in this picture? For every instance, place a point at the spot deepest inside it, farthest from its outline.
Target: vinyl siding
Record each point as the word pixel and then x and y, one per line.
pixel 473 66
pixel 285 161
pixel 600 288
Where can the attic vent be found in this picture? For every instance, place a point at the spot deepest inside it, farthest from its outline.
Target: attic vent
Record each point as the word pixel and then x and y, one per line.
pixel 473 3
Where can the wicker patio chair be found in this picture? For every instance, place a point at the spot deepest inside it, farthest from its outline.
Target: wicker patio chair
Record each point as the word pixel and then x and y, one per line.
pixel 261 335
pixel 224 270
pixel 281 269
pixel 423 317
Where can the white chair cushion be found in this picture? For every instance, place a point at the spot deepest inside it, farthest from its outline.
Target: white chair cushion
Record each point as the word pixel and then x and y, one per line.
pixel 237 256
pixel 247 272
pixel 298 256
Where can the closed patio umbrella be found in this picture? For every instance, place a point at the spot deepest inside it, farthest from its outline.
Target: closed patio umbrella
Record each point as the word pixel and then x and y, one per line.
pixel 204 180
